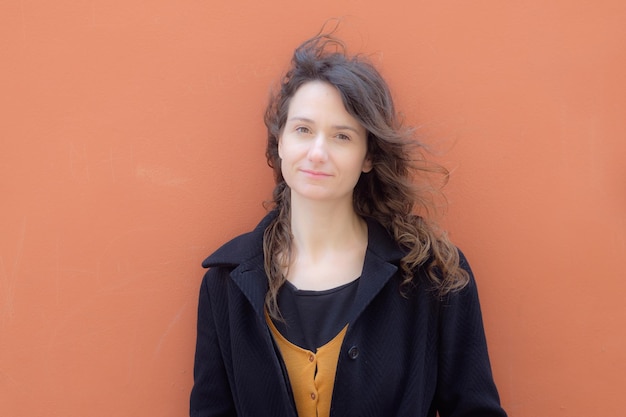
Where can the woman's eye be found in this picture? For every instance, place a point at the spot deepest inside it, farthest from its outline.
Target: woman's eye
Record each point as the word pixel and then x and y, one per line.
pixel 302 129
pixel 343 137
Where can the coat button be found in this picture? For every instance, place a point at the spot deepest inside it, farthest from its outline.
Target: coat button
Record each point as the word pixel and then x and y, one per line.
pixel 353 352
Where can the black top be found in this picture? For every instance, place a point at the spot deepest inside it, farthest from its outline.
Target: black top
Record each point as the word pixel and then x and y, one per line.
pixel 314 318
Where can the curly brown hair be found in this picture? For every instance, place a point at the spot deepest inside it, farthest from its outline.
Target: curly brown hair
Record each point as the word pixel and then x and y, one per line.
pixel 395 189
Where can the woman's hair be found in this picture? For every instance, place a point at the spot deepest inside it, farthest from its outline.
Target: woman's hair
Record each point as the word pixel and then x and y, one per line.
pixel 398 186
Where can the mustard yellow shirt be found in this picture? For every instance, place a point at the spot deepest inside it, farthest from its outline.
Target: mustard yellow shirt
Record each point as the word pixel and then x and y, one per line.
pixel 311 374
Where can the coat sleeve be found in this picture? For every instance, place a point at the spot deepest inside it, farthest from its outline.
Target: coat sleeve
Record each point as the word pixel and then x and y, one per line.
pixel 211 395
pixel 465 386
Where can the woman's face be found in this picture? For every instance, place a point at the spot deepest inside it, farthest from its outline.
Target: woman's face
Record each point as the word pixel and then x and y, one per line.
pixel 323 149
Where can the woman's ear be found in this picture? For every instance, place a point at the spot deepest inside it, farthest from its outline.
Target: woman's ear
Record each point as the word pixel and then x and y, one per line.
pixel 280 151
pixel 367 164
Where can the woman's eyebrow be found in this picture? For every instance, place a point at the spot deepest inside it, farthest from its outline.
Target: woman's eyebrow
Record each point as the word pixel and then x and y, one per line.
pixel 300 119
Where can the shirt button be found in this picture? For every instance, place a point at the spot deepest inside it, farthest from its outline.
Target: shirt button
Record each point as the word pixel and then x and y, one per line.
pixel 311 358
pixel 353 352
pixel 312 395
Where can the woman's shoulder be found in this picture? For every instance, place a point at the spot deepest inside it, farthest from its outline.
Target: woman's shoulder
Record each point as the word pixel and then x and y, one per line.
pixel 241 248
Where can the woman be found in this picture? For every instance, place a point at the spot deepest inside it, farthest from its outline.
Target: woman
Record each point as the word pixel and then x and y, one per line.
pixel 342 301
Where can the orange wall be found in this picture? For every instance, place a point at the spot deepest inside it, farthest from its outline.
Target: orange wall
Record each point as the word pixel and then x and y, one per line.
pixel 132 145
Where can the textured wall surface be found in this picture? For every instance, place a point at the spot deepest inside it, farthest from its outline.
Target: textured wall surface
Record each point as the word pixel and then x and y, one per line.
pixel 131 146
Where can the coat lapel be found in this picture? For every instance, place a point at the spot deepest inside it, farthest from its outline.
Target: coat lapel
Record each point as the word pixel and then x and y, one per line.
pixel 252 281
pixel 376 274
pixel 381 263
pixel 259 368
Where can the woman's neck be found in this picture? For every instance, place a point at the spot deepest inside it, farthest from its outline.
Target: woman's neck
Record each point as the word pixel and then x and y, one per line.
pixel 329 244
pixel 321 226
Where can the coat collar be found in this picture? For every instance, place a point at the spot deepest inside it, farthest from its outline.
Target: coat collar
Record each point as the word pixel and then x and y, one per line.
pixel 244 254
pixel 242 248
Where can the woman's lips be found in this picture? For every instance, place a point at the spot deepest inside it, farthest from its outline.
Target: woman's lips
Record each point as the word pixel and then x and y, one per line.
pixel 315 174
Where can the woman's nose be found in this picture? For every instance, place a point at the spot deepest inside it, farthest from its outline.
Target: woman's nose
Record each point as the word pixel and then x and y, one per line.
pixel 318 151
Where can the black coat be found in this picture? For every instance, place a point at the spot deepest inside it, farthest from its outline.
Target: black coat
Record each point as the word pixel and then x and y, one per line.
pixel 401 356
